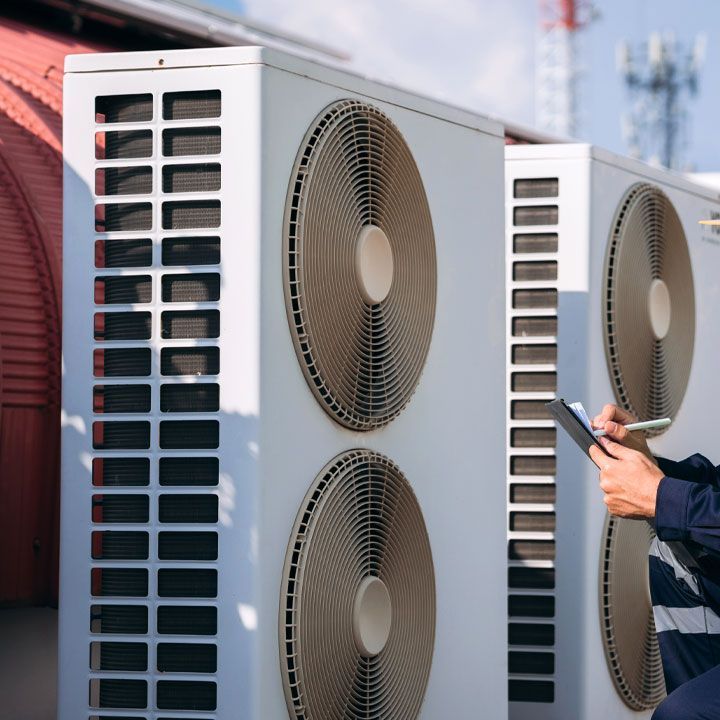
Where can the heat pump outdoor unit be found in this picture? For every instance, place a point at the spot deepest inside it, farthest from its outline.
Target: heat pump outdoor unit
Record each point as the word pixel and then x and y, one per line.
pixel 282 424
pixel 612 297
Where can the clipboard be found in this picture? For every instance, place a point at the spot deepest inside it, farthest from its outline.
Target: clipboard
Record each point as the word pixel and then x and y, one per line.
pixel 573 426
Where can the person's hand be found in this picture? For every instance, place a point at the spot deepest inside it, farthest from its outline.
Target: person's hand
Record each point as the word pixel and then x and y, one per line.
pixel 628 478
pixel 612 419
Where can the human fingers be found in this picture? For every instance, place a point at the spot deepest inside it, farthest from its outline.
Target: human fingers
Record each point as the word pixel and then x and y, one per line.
pixel 612 413
pixel 599 457
pixel 616 450
pixel 616 432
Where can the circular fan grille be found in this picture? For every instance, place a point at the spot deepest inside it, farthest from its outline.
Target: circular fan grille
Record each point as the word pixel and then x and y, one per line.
pixel 357 619
pixel 628 628
pixel 360 276
pixel 649 305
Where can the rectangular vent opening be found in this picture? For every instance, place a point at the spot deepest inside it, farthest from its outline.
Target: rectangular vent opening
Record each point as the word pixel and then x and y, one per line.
pixel 192 214
pixel 529 410
pixel 114 656
pixel 533 465
pixel 532 521
pixel 535 215
pixel 188 398
pixel 119 253
pixel 531 550
pixel 531 691
pixel 121 472
pixel 535 299
pixel 121 399
pixel 532 494
pixel 178 620
pixel 188 508
pixel 531 663
pixel 198 177
pixel 191 141
pixel 123 144
pixel 119 582
pixel 540 270
pixel 533 382
pixel 535 243
pixel 119 619
pixel 190 361
pixel 120 508
pixel 122 694
pixel 187 657
pixel 188 545
pixel 541 606
pixel 189 434
pixel 112 545
pixel 533 437
pixel 198 287
pixel 534 326
pixel 191 105
pixel 186 324
pixel 124 180
pixel 531 578
pixel 536 188
pixel 123 289
pixel 116 217
pixel 123 326
pixel 124 108
pixel 191 471
pixel 173 582
pixel 535 354
pixel 531 634
pixel 186 695
pixel 130 435
pixel 191 251
pixel 122 362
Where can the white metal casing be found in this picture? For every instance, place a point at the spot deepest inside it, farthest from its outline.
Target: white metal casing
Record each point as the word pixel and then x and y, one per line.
pixel 274 436
pixel 591 184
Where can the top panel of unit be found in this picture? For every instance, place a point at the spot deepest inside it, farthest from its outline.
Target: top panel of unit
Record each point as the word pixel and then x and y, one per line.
pixel 587 152
pixel 164 61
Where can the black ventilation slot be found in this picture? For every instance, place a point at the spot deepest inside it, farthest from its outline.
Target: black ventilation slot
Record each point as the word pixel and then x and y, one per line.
pixel 123 289
pixel 188 508
pixel 529 410
pixel 191 105
pixel 122 362
pixel 536 188
pixel 189 434
pixel 118 694
pixel 534 354
pixel 531 550
pixel 198 177
pixel 535 243
pixel 533 437
pixel 190 361
pixel 121 399
pixel 531 578
pixel 193 214
pixel 531 634
pixel 186 324
pixel 118 472
pixel 533 465
pixel 535 215
pixel 541 270
pixel 123 326
pixel 532 522
pixel 123 253
pixel 124 180
pixel 541 606
pixel 192 471
pixel 191 251
pixel 121 435
pixel 187 546
pixel 534 382
pixel 187 657
pixel 199 287
pixel 189 398
pixel 531 691
pixel 535 299
pixel 107 545
pixel 119 582
pixel 113 217
pixel 176 620
pixel 532 494
pixel 186 695
pixel 124 108
pixel 531 663
pixel 119 619
pixel 120 508
pixel 187 583
pixel 534 326
pixel 191 141
pixel 116 656
pixel 123 144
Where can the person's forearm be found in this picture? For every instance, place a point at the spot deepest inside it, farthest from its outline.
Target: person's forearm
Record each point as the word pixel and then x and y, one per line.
pixel 696 469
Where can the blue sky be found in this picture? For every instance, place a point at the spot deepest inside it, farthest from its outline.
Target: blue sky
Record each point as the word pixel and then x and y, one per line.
pixel 480 53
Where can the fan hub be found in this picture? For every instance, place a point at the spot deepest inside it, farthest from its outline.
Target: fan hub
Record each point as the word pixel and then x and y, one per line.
pixel 659 308
pixel 372 616
pixel 374 265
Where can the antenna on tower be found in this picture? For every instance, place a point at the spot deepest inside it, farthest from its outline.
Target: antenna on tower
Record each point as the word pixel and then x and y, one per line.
pixel 658 76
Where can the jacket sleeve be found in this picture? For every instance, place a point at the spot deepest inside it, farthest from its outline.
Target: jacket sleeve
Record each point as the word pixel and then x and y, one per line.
pixel 688 503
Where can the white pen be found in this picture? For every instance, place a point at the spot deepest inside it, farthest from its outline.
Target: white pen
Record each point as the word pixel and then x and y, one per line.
pixel 646 425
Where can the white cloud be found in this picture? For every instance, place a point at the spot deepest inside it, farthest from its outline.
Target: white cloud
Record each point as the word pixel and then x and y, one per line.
pixel 474 53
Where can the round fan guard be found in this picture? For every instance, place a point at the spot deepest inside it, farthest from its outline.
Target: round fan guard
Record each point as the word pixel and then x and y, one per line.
pixel 360 266
pixel 649 305
pixel 357 612
pixel 626 617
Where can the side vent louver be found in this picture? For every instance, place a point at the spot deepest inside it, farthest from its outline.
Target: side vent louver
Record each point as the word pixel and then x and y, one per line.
pixel 157 426
pixel 532 381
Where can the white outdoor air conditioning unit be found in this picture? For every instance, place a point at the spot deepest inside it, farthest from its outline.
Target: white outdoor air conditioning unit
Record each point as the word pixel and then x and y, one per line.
pixel 612 294
pixel 283 306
